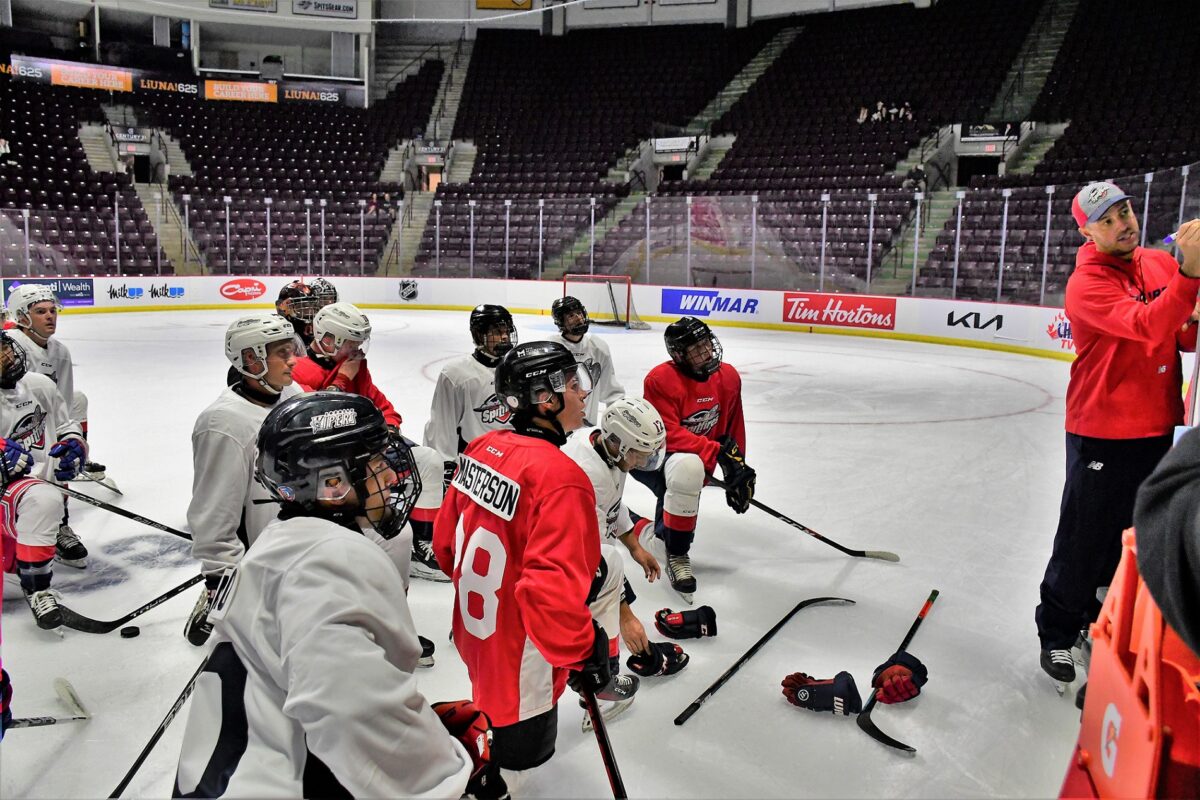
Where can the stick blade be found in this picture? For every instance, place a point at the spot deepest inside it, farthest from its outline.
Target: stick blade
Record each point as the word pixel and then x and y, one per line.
pixel 882 555
pixel 70 698
pixel 868 727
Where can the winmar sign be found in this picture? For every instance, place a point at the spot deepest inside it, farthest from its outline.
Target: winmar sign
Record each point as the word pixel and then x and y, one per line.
pixel 974 320
pixel 701 303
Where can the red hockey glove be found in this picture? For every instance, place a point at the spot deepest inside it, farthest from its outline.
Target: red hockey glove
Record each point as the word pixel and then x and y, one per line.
pixel 899 678
pixel 837 694
pixel 469 725
pixel 689 624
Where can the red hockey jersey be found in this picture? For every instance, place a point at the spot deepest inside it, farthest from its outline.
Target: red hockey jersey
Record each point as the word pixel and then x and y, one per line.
pixel 517 533
pixel 311 374
pixel 697 414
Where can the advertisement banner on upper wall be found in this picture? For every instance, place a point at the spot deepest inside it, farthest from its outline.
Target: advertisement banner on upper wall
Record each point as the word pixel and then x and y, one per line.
pixel 269 6
pixel 342 9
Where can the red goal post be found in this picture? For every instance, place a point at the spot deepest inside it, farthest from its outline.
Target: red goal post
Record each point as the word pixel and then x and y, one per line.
pixel 607 298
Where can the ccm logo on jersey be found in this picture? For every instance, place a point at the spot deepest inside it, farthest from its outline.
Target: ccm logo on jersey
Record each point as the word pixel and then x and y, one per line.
pixel 489 489
pixel 243 289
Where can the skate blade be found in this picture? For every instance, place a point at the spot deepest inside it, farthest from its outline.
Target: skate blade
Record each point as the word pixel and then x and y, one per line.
pixel 688 597
pixel 423 572
pixel 425 662
pixel 76 563
pixel 66 693
pixel 608 712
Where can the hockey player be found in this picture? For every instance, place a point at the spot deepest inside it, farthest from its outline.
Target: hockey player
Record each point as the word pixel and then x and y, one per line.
pixel 337 360
pixel 518 535
pixel 224 516
pixel 571 318
pixel 310 604
pixel 700 400
pixel 33 308
pixel 299 302
pixel 32 414
pixel 465 404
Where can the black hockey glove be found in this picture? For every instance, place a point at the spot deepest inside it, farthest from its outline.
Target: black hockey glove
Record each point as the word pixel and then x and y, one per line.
pixel 737 475
pixel 899 678
pixel 663 658
pixel 690 624
pixel 448 468
pixel 595 672
pixel 5 703
pixel 837 694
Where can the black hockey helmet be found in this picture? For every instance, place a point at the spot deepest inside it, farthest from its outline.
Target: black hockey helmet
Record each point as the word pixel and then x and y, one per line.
pixel 13 361
pixel 318 446
pixel 688 331
pixel 483 319
pixel 564 307
pixel 536 372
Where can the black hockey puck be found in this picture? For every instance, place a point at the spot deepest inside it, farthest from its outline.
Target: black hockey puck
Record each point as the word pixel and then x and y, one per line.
pixel 130 631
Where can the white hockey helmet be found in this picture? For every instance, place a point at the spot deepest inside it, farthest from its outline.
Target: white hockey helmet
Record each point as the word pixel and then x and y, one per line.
pixel 340 330
pixel 26 296
pixel 247 338
pixel 631 423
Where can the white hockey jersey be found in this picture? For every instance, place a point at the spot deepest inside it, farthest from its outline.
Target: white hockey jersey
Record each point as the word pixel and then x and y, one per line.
pixel 464 407
pixel 608 483
pixel 223 517
pixel 312 667
pixel 595 356
pixel 53 361
pixel 34 414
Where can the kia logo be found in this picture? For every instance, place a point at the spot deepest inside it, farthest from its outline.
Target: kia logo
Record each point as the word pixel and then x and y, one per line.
pixel 243 289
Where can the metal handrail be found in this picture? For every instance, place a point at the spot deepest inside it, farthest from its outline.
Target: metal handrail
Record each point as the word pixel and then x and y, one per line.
pixel 387 86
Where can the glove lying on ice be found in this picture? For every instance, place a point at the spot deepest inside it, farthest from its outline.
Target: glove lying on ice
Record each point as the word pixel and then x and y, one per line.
pixel 690 624
pixel 899 678
pixel 837 694
pixel 663 658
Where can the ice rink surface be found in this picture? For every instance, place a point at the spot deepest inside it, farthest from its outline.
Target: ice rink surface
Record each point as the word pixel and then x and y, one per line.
pixel 950 457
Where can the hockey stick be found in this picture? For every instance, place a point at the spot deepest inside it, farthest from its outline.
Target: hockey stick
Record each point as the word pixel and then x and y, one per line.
pixel 606 751
pixel 719 682
pixel 162 728
pixel 106 482
pixel 66 693
pixel 79 622
pixel 882 555
pixel 864 717
pixel 92 501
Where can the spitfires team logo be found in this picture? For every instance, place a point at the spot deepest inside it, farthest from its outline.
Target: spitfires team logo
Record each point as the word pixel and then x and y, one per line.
pixel 31 430
pixel 493 412
pixel 702 421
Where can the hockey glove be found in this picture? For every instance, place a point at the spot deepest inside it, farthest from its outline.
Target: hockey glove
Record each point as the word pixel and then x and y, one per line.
pixel 690 624
pixel 466 723
pixel 448 468
pixel 595 672
pixel 899 678
pixel 71 455
pixel 662 658
pixel 5 703
pixel 738 476
pixel 837 694
pixel 15 460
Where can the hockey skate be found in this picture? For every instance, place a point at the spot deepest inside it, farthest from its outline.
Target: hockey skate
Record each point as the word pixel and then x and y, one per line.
pixel 68 549
pixel 423 564
pixel 94 470
pixel 679 572
pixel 198 628
pixel 1059 665
pixel 613 700
pixel 426 659
pixel 44 605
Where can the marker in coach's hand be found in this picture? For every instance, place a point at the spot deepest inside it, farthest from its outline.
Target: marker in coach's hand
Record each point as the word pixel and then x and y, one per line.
pixel 1170 238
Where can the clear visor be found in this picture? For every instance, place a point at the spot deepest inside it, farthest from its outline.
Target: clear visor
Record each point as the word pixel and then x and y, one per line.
pixel 349 350
pixel 577 379
pixel 650 462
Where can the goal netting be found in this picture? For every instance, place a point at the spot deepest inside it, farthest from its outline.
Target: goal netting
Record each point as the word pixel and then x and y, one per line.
pixel 607 298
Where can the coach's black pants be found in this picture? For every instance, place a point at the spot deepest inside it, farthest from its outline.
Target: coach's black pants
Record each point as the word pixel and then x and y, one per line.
pixel 1103 476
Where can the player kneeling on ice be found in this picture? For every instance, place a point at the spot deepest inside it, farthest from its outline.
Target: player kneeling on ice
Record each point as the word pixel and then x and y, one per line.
pixel 896 680
pixel 700 400
pixel 32 415
pixel 228 509
pixel 631 436
pixel 309 690
pixel 517 533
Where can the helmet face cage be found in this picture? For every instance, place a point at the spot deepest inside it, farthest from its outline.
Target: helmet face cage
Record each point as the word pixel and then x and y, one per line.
pixel 683 336
pixel 565 307
pixel 13 361
pixel 488 326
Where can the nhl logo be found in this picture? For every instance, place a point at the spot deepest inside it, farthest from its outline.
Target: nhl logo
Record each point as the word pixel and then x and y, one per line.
pixel 408 290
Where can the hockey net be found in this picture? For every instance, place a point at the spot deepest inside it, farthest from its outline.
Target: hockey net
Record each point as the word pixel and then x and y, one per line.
pixel 607 298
